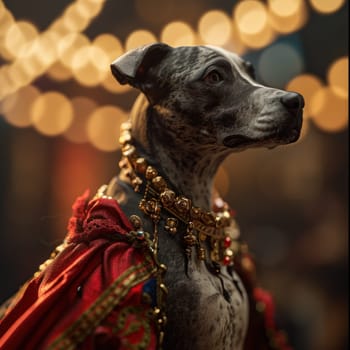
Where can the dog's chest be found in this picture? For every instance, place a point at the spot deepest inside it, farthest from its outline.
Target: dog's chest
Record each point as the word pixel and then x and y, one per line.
pixel 201 316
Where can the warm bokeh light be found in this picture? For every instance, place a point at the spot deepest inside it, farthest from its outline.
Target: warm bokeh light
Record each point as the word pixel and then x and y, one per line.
pixel 177 34
pixel 287 16
pixel 6 20
pixel 110 44
pixel 16 107
pixel 73 19
pixel 17 36
pixel 59 72
pixel 51 113
pixel 235 43
pixel 251 24
pixel 90 65
pixel 307 85
pixel 138 38
pixel 13 77
pixel 258 40
pixel 338 76
pixel 215 27
pixel 273 63
pixel 82 108
pixel 7 85
pixel 329 111
pixel 69 45
pixel 284 8
pixel 250 16
pixel 39 55
pixel 255 25
pixel 103 127
pixel 327 6
pixel 111 85
pixel 90 8
pixel 77 16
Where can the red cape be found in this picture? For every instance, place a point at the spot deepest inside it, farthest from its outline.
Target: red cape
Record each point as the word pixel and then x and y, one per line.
pixel 91 295
pixel 97 292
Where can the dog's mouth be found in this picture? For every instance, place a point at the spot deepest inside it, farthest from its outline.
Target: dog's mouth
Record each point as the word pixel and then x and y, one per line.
pixel 279 137
pixel 237 141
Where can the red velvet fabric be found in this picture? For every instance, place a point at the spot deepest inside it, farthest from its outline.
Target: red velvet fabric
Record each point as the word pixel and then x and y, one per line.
pixel 95 265
pixel 90 295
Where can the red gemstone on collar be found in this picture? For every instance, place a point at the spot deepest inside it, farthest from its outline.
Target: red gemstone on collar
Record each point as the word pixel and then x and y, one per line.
pixel 227 242
pixel 227 260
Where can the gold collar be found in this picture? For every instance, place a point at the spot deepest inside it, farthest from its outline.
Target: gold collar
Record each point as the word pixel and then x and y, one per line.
pixel 218 227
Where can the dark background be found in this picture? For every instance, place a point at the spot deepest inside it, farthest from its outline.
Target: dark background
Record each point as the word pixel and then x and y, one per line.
pixel 291 202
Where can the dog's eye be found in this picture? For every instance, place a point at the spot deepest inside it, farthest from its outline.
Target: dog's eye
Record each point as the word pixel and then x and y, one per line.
pixel 213 77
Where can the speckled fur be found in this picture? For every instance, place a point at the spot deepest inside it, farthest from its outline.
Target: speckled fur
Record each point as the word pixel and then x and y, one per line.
pixel 186 125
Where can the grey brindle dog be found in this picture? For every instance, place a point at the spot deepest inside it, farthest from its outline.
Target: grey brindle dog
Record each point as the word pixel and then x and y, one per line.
pixel 198 105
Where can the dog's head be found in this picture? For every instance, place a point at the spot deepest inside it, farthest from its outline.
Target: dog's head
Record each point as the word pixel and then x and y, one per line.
pixel 210 95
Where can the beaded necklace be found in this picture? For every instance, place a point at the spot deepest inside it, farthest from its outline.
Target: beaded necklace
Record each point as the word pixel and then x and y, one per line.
pixel 212 234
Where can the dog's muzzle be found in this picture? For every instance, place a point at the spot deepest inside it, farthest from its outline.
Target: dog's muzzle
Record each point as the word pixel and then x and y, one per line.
pixel 294 104
pixel 278 124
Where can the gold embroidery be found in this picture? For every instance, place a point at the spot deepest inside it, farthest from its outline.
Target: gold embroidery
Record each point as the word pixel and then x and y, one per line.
pixel 141 322
pixel 100 309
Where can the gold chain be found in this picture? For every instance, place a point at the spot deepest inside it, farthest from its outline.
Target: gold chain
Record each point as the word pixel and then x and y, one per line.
pixel 218 228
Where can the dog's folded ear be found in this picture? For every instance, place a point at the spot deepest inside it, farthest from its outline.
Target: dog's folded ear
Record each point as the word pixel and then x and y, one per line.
pixel 131 68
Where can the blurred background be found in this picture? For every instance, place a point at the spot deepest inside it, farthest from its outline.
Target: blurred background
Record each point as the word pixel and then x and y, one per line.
pixel 60 112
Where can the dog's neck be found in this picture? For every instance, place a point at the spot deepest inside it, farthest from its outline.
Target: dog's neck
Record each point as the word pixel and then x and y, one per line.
pixel 190 171
pixel 191 174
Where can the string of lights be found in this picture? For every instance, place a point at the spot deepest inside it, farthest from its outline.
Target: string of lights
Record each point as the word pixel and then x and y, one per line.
pixel 64 52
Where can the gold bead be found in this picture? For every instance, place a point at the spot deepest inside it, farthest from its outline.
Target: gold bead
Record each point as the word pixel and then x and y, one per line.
pixel 125 137
pixel 196 213
pixel 142 205
pixel 171 225
pixel 136 221
pixel 219 222
pixel 228 252
pixel 190 226
pixel 163 267
pixel 190 239
pixel 182 204
pixel 202 237
pixel 123 163
pixel 151 173
pixel 159 183
pixel 150 206
pixel 126 126
pixel 225 218
pixel 128 150
pixel 140 165
pixel 201 253
pixel 167 198
pixel 208 219
pixel 136 183
pixel 164 289
pixel 157 208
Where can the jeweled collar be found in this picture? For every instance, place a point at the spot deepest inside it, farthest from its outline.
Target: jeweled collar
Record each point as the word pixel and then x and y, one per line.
pixel 213 235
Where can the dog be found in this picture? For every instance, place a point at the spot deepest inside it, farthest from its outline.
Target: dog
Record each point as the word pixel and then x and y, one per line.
pixel 198 105
pixel 154 260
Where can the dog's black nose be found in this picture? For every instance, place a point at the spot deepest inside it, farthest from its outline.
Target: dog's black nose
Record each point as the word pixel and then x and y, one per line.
pixel 293 101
